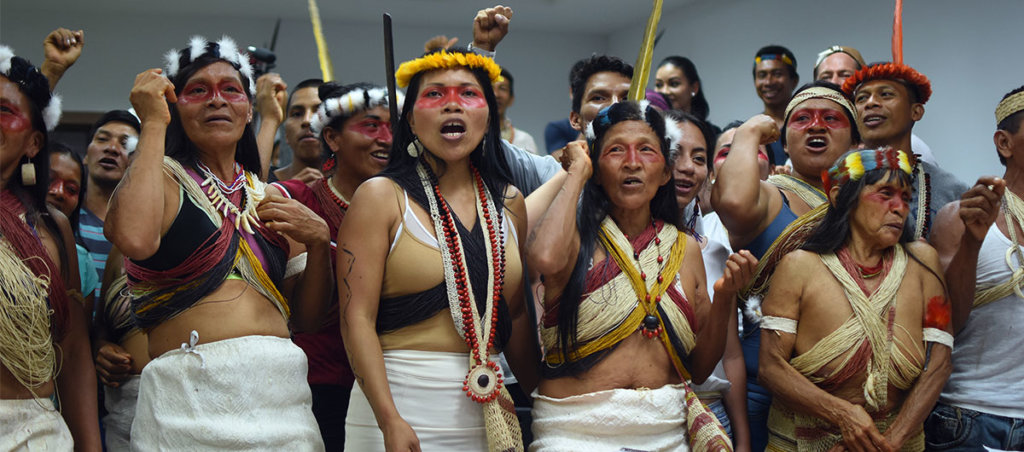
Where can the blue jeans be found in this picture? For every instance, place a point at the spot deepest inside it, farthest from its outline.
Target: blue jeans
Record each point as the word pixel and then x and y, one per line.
pixel 718 409
pixel 951 428
pixel 759 400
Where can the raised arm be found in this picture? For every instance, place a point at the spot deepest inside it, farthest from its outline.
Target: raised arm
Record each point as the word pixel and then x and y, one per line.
pixel 144 203
pixel 310 290
pixel 61 49
pixel 926 389
pixel 713 318
pixel 741 200
pixel 522 351
pixel 960 228
pixel 363 243
pixel 792 277
pixel 490 26
pixel 271 102
pixel 554 241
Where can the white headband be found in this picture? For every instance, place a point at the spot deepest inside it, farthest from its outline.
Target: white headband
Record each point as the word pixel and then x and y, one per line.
pixel 51 112
pixel 226 50
pixel 348 104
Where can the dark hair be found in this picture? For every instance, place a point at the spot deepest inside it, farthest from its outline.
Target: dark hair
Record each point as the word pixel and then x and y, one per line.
pixel 488 157
pixel 307 83
pixel 854 131
pixel 705 130
pixel 505 74
pixel 178 145
pixel 587 67
pixel 58 148
pixel 595 206
pixel 36 89
pixel 699 105
pixel 115 116
pixel 1010 123
pixel 777 50
pixel 331 90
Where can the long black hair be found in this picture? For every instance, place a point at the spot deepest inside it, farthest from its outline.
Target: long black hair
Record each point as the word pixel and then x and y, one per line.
pixel 488 157
pixel 699 104
pixel 592 210
pixel 59 148
pixel 178 145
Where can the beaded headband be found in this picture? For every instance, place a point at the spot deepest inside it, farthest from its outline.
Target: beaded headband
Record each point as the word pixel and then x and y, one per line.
pixel 852 52
pixel 446 60
pixel 225 49
pixel 774 56
pixel 673 134
pixel 1009 106
pixel 820 92
pixel 890 71
pixel 349 104
pixel 51 106
pixel 854 165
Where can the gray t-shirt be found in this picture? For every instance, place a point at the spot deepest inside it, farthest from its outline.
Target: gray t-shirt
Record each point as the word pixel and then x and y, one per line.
pixel 529 171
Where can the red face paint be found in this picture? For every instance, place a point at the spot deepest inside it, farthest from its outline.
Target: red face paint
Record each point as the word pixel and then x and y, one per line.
pixel 373 128
pixel 724 152
pixel 439 96
pixel 199 92
pixel 12 119
pixel 806 118
pixel 890 198
pixel 633 152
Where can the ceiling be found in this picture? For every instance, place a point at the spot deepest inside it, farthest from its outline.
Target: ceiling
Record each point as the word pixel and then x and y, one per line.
pixel 550 15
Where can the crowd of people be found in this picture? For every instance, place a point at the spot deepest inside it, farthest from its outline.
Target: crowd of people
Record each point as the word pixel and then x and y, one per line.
pixel 806 279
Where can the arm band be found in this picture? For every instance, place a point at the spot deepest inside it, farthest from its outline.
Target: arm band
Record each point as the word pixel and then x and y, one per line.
pixel 295 266
pixel 778 324
pixel 938 336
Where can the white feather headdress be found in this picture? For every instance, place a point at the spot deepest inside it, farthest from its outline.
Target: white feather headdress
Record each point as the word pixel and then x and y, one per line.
pixel 226 49
pixel 52 111
pixel 350 103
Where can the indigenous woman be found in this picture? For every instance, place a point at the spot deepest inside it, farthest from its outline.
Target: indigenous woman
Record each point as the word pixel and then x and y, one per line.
pixel 353 124
pixel 206 265
pixel 625 304
pixel 725 391
pixel 68 182
pixel 44 341
pixel 429 272
pixel 850 319
pixel 818 128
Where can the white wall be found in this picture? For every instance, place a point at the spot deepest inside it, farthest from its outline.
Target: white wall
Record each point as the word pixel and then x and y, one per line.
pixel 119 47
pixel 969 50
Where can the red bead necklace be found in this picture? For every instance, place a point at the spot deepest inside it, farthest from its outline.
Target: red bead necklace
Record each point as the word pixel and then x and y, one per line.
pixel 334 194
pixel 484 380
pixel 651 327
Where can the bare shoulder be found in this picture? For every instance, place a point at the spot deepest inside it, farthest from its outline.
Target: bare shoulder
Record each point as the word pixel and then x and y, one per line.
pixel 925 252
pixel 514 200
pixel 375 188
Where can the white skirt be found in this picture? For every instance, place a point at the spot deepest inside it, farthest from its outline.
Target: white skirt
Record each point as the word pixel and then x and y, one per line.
pixel 120 405
pixel 427 390
pixel 248 393
pixel 32 424
pixel 612 420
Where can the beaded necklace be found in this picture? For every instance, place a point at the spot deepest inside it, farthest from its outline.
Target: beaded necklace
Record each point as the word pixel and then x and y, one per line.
pixel 335 194
pixel 220 194
pixel 483 382
pixel 651 326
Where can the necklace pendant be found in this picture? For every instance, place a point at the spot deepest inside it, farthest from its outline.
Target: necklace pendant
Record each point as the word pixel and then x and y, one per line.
pixel 483 382
pixel 650 327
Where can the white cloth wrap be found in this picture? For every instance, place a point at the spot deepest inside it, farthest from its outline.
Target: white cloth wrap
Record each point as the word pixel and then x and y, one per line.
pixel 938 336
pixel 32 424
pixel 641 419
pixel 427 390
pixel 247 393
pixel 783 324
pixel 295 265
pixel 120 405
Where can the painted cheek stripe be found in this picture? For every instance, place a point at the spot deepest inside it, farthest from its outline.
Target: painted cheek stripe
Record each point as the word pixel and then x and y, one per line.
pixel 817 119
pixel 377 130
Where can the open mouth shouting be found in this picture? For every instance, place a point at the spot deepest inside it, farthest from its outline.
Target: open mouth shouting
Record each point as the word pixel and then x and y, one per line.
pixel 453 129
pixel 817 144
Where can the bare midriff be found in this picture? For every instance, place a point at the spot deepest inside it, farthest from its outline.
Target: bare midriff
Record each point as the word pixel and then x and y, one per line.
pixel 235 309
pixel 637 362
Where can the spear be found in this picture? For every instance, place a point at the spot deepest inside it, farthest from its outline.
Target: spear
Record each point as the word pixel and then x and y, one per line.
pixel 321 44
pixel 389 71
pixel 642 68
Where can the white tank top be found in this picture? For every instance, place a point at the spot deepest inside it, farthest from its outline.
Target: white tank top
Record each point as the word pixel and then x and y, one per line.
pixel 988 355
